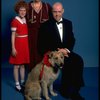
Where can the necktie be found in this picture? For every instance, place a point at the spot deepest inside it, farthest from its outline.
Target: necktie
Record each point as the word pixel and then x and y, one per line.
pixel 59 22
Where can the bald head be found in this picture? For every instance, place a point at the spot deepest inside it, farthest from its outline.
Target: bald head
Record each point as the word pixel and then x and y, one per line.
pixel 57 10
pixel 57 4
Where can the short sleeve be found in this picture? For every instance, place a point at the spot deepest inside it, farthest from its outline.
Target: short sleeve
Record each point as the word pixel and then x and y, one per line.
pixel 13 25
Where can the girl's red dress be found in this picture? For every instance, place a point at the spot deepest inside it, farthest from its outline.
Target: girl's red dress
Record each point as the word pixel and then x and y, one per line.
pixel 21 43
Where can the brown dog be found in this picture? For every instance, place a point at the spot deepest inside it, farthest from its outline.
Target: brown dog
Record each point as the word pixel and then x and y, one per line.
pixel 42 76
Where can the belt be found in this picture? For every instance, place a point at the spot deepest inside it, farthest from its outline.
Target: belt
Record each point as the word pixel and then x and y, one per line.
pixel 21 35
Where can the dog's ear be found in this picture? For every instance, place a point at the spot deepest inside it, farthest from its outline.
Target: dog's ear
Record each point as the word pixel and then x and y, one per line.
pixel 50 54
pixel 61 52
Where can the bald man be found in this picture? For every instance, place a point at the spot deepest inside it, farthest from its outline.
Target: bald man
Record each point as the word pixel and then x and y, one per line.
pixel 57 34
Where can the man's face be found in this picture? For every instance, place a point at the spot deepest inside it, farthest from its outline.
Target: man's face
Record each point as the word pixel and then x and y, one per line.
pixel 57 12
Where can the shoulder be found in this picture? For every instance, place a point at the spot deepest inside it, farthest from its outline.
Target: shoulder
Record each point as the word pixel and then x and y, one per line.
pixel 46 4
pixel 48 22
pixel 67 20
pixel 14 21
pixel 31 2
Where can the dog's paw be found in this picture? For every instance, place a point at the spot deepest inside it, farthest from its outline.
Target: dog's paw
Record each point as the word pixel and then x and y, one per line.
pixel 54 94
pixel 48 98
pixel 39 98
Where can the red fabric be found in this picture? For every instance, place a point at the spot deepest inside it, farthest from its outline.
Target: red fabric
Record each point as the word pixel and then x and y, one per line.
pixel 41 73
pixel 21 29
pixel 45 62
pixel 21 44
pixel 33 32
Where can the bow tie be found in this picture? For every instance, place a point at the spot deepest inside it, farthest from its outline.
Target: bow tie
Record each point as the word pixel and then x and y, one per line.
pixel 59 22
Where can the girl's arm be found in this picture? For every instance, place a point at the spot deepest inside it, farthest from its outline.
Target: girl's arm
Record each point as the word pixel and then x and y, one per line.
pixel 14 52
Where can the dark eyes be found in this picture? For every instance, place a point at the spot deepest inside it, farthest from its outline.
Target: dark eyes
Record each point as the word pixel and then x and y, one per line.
pixel 62 57
pixel 56 11
pixel 56 58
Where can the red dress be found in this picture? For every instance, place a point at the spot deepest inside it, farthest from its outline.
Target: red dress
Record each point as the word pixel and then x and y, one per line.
pixel 21 43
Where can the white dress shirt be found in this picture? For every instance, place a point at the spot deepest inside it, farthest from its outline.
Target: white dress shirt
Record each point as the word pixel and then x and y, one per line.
pixel 60 28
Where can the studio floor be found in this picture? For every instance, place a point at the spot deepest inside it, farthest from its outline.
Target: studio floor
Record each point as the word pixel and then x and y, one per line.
pixel 89 92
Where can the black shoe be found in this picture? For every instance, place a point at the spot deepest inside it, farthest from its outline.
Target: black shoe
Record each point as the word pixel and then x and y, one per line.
pixel 64 94
pixel 73 96
pixel 23 85
pixel 19 90
pixel 76 96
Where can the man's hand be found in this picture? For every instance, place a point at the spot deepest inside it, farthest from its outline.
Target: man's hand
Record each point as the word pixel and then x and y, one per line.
pixel 65 51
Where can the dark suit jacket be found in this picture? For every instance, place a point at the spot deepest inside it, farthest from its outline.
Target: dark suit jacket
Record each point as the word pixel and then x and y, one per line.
pixel 49 38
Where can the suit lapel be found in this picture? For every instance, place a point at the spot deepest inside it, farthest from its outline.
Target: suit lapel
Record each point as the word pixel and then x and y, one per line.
pixel 64 31
pixel 57 31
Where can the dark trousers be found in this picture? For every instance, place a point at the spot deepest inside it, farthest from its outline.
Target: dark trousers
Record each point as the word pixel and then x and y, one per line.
pixel 72 74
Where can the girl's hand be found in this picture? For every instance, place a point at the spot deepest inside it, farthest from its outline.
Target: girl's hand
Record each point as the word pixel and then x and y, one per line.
pixel 14 52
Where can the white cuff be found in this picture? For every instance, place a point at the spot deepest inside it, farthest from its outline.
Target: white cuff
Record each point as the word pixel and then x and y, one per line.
pixel 67 50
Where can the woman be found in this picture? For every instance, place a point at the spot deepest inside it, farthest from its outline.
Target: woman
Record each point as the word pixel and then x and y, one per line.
pixel 38 13
pixel 19 42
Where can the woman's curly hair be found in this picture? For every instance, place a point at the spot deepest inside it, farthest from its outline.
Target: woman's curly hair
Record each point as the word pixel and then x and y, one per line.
pixel 19 4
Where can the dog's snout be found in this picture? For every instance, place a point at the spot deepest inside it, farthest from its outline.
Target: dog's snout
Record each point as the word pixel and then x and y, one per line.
pixel 61 64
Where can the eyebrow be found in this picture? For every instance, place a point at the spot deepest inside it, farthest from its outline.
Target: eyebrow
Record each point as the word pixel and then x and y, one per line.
pixel 56 11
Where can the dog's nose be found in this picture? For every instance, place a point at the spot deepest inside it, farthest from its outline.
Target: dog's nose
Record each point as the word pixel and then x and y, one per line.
pixel 61 64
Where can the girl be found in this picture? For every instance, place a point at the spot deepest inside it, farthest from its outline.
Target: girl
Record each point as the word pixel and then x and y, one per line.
pixel 19 43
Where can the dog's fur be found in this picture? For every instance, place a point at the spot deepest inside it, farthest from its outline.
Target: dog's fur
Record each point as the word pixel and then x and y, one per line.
pixel 35 86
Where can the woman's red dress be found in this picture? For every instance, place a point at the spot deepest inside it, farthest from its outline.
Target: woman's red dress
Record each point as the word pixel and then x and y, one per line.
pixel 34 20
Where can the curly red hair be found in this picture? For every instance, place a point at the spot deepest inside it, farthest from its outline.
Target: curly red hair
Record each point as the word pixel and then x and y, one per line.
pixel 20 4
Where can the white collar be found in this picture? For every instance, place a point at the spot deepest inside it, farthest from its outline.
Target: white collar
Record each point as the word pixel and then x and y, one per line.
pixel 22 21
pixel 60 20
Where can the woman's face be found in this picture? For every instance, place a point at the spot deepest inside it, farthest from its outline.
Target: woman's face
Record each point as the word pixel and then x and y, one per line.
pixel 22 12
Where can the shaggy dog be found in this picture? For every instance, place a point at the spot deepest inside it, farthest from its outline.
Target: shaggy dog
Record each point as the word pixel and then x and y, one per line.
pixel 42 76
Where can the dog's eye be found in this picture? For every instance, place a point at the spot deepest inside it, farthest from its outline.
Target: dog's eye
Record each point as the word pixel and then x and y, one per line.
pixel 61 56
pixel 56 58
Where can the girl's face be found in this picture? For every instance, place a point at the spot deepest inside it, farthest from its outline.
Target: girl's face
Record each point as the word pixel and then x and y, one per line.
pixel 22 12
